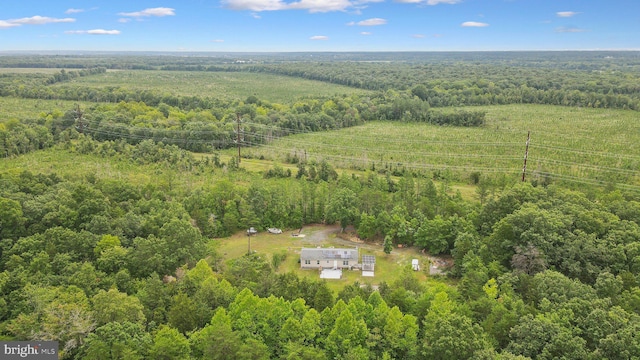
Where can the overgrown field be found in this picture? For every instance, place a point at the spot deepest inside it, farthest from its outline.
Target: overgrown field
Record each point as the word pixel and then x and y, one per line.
pixel 580 145
pixel 71 165
pixel 25 109
pixel 577 144
pixel 220 85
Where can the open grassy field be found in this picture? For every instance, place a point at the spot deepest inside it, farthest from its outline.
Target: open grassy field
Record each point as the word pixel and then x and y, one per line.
pixel 222 85
pixel 577 144
pixel 325 236
pixel 15 108
pixel 74 166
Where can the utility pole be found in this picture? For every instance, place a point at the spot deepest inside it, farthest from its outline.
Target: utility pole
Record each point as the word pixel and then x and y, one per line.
pixel 79 120
pixel 526 153
pixel 250 232
pixel 238 136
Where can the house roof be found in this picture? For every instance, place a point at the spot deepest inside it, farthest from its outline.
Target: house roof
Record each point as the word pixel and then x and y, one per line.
pixel 328 254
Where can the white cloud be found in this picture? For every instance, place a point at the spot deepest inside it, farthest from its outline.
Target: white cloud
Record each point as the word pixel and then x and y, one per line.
pixel 417 36
pixel 39 20
pixel 320 5
pixel 430 2
pixel 73 11
pixel 565 14
pixel 255 5
pixel 372 22
pixel 94 32
pixel 313 6
pixel 436 2
pixel 159 11
pixel 124 20
pixel 319 37
pixel 365 33
pixel 4 24
pixel 103 32
pixel 569 30
pixel 217 41
pixel 473 24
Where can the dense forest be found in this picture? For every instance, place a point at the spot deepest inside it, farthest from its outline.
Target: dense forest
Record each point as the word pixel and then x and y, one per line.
pixel 543 273
pixel 120 269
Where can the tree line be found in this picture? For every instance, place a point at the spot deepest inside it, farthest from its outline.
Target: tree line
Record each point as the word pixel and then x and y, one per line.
pixel 205 129
pixel 463 84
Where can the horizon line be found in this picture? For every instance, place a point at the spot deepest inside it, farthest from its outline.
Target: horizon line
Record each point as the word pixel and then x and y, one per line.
pixel 310 51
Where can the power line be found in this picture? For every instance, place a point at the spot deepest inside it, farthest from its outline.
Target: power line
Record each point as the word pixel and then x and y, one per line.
pixel 358 159
pixel 588 152
pixel 307 144
pixel 133 133
pixel 355 139
pixel 588 180
pixel 238 137
pixel 588 166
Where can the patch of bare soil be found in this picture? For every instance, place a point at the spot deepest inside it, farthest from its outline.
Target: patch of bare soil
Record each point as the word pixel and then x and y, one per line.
pixel 318 236
pixel 438 265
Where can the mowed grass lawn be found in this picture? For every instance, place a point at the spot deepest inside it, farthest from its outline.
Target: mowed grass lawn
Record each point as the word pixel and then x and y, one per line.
pixel 387 269
pixel 221 85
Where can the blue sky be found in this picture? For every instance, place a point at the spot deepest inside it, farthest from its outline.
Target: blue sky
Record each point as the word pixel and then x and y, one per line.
pixel 320 25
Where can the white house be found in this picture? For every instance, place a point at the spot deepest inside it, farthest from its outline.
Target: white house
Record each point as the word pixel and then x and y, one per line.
pixel 328 258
